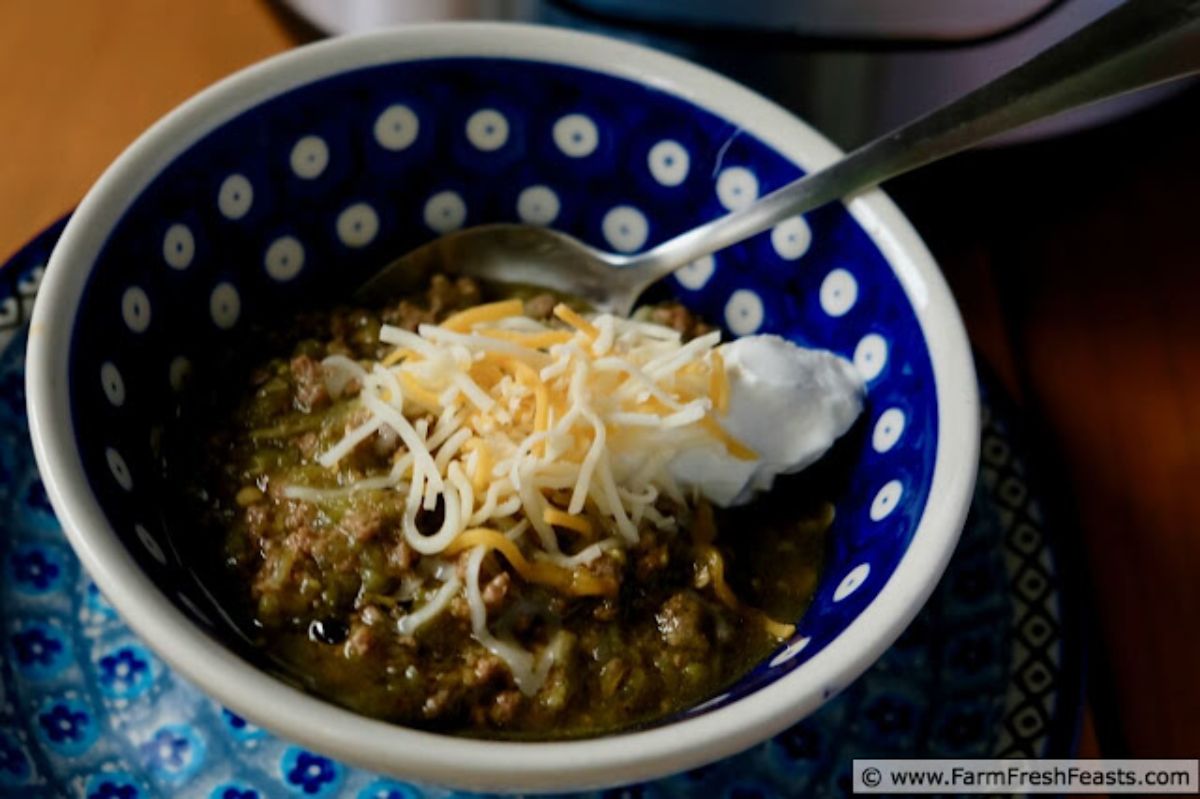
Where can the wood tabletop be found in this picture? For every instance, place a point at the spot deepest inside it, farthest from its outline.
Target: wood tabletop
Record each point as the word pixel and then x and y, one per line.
pixel 83 79
pixel 1076 263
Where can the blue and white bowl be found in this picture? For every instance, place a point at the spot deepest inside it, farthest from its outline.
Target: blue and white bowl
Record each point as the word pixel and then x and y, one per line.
pixel 296 178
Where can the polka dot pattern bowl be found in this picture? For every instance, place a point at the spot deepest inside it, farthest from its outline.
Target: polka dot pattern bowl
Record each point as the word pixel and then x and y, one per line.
pixel 289 183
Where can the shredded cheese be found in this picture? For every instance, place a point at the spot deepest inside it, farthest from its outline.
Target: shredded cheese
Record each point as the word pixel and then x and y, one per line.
pixel 418 393
pixel 483 463
pixel 351 440
pixel 519 661
pixel 714 564
pixel 736 448
pixel 339 371
pixel 570 521
pixel 512 426
pixel 575 582
pixel 718 385
pixel 536 340
pixel 576 321
pixel 432 608
pixel 488 312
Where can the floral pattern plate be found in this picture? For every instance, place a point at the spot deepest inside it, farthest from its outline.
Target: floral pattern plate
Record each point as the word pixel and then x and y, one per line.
pixel 990 668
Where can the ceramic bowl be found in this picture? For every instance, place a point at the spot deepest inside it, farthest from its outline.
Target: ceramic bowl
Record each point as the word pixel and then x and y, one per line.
pixel 292 180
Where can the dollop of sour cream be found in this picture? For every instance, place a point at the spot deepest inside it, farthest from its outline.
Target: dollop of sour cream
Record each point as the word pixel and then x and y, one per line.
pixel 787 403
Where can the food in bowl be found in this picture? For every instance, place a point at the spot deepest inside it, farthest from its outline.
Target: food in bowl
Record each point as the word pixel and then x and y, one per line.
pixel 495 516
pixel 162 271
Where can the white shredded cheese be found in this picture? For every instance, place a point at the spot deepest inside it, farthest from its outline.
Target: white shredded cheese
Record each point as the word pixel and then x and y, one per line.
pixel 432 608
pixel 338 371
pixel 352 439
pixel 519 661
pixel 583 556
pixel 584 421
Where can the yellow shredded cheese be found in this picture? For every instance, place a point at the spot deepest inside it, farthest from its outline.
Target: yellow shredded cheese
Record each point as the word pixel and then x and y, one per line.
pixel 488 312
pixel 486 374
pixel 714 565
pixel 570 521
pixel 576 321
pixel 397 355
pixel 481 477
pixel 573 582
pixel 530 378
pixel 413 390
pixel 535 340
pixel 736 448
pixel 718 383
pixel 523 432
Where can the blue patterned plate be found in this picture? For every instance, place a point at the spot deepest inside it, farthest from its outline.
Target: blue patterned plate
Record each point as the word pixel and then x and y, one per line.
pixel 989 668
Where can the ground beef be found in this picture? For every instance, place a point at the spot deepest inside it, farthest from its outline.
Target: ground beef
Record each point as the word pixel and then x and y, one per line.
pixel 300 517
pixel 436 703
pixel 684 622
pixel 363 524
pixel 540 306
pixel 469 293
pixel 351 324
pixel 307 443
pixel 258 520
pixel 606 567
pixel 408 315
pixel 387 441
pixel 372 615
pixel 488 668
pixel 462 564
pixel 356 418
pixel 308 380
pixel 504 707
pixel 496 590
pixel 401 557
pixel 362 640
pixel 677 317
pixel 301 540
pixel 459 608
pixel 652 561
pixel 606 610
pixel 444 296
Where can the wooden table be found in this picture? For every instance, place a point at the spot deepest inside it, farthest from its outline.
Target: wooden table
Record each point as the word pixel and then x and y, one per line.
pixel 1076 262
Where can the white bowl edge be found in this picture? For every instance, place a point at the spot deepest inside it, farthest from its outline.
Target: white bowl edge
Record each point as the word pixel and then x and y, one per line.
pixel 458 762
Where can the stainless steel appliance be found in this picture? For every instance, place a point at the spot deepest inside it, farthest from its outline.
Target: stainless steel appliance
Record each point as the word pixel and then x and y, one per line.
pixel 853 68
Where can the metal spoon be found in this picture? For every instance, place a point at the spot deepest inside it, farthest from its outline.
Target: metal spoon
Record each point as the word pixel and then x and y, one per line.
pixel 1140 43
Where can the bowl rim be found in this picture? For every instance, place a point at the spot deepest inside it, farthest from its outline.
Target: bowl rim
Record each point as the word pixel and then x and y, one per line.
pixel 447 760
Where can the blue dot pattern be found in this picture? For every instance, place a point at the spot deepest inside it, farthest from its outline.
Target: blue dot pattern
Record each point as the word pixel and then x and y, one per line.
pixel 309 774
pixel 234 790
pixel 752 286
pixel 126 671
pixel 66 725
pixel 16 767
pixel 114 785
pixel 174 753
pixel 939 678
pixel 40 650
pixel 38 569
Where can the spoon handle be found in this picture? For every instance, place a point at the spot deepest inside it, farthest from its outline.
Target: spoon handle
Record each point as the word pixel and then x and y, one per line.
pixel 1139 44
